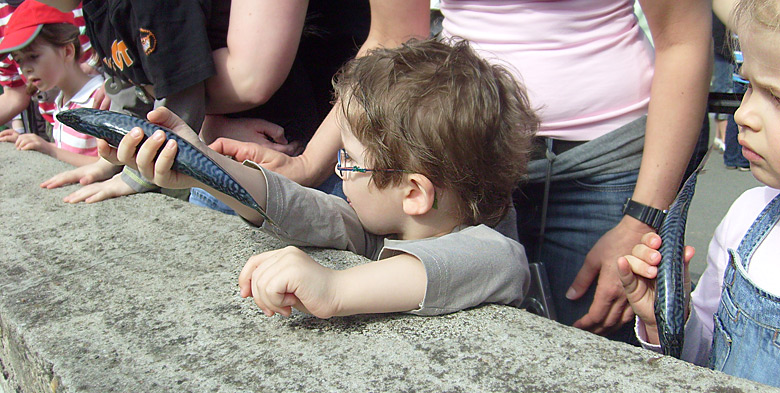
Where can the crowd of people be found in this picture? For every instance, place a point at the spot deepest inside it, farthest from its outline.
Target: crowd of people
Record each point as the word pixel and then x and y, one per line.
pixel 554 132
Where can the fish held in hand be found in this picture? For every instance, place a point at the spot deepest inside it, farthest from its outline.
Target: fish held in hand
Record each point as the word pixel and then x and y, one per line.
pixel 671 299
pixel 190 160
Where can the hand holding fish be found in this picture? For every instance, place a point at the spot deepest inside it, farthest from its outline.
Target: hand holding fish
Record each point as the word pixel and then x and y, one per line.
pixel 144 156
pixel 638 272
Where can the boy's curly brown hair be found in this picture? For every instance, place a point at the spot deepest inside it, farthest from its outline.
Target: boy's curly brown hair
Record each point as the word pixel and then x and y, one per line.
pixel 440 110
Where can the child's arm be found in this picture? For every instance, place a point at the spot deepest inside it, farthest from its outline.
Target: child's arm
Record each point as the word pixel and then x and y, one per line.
pixel 157 169
pixel 97 171
pixel 282 279
pixel 35 142
pixel 638 272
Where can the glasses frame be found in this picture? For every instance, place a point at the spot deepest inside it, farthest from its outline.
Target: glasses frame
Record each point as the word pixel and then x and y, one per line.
pixel 354 168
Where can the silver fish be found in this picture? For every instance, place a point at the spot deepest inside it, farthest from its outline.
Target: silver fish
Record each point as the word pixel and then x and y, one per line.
pixel 671 299
pixel 191 161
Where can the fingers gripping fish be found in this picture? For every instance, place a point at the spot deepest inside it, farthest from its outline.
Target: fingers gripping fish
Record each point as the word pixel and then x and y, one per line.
pixel 190 160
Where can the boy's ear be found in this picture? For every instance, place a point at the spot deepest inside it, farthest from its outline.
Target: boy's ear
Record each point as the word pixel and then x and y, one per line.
pixel 419 195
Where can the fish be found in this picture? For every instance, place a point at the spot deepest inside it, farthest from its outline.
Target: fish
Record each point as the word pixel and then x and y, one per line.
pixel 189 160
pixel 671 299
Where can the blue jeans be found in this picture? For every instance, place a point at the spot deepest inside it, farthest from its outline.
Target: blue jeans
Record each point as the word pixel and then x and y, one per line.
pixel 733 154
pixel 200 197
pixel 579 213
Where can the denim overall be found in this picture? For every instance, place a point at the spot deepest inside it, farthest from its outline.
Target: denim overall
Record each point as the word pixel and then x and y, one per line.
pixel 746 334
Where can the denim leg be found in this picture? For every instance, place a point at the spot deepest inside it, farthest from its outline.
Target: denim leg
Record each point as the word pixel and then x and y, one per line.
pixel 332 185
pixel 579 213
pixel 733 154
pixel 201 197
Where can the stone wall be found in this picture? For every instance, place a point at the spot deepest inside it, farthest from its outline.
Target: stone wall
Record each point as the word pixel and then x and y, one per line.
pixel 140 294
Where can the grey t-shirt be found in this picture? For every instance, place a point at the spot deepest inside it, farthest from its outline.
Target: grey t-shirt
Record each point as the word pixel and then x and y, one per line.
pixel 470 266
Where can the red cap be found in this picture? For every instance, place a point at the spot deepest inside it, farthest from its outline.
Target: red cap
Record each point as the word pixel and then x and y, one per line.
pixel 27 21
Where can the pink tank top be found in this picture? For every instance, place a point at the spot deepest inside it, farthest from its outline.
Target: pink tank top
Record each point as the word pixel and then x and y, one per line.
pixel 587 64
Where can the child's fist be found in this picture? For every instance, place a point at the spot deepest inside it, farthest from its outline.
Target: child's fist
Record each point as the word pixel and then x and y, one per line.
pixel 281 279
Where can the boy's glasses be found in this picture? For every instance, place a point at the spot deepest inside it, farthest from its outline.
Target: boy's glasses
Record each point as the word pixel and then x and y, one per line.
pixel 342 167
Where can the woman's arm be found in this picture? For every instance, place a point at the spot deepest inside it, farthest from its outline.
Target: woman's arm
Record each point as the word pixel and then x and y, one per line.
pixel 392 23
pixel 681 32
pixel 262 41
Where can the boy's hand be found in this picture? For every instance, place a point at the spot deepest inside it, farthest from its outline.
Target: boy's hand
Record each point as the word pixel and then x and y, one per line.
pixel 9 135
pixel 87 174
pixel 282 279
pixel 33 142
pixel 155 168
pixel 638 272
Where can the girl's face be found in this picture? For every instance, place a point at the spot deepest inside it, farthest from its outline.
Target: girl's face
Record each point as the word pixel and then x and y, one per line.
pixel 43 65
pixel 759 114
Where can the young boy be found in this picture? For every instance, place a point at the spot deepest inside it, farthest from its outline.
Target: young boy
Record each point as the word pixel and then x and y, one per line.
pixel 434 140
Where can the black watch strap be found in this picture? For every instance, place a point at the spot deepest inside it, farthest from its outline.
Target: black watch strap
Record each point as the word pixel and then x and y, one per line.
pixel 648 215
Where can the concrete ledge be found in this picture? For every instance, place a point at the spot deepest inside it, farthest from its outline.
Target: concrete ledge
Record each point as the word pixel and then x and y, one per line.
pixel 140 294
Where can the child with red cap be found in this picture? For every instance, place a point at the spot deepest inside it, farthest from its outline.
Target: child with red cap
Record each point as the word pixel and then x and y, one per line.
pixel 45 43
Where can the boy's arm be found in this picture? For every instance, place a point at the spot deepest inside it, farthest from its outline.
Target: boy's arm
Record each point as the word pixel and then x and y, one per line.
pixel 158 170
pixel 282 279
pixel 682 35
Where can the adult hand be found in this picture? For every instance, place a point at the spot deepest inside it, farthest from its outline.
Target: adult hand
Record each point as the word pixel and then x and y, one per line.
pixel 101 99
pixel 262 132
pixel 96 192
pixel 281 279
pixel 98 171
pixel 291 167
pixel 609 309
pixel 9 135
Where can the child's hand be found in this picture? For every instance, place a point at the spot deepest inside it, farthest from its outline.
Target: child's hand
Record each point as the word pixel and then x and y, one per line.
pixel 87 174
pixel 638 272
pixel 96 192
pixel 282 279
pixel 33 142
pixel 9 135
pixel 153 166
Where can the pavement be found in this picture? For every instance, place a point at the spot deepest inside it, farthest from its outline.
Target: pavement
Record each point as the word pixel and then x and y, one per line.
pixel 716 189
pixel 139 294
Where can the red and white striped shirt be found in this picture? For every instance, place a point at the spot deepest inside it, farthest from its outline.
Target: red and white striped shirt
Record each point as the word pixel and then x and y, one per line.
pixel 11 76
pixel 67 138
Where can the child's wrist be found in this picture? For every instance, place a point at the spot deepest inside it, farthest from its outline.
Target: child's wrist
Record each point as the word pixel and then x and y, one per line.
pixel 651 330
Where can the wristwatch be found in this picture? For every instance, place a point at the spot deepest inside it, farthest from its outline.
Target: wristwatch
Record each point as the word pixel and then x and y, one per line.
pixel 648 215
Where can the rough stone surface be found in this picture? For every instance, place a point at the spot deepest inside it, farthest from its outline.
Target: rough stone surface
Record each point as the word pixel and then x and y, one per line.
pixel 140 294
